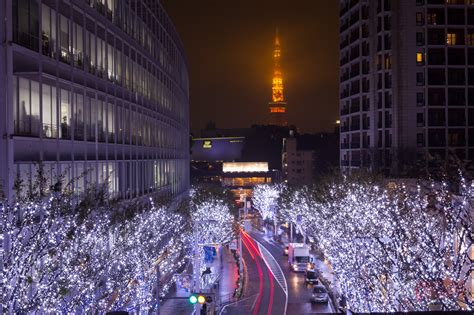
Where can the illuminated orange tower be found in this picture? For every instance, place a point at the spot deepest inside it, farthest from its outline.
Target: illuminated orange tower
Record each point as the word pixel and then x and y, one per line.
pixel 277 106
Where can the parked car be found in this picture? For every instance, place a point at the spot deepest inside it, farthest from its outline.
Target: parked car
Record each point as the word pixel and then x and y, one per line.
pixel 320 294
pixel 285 251
pixel 311 276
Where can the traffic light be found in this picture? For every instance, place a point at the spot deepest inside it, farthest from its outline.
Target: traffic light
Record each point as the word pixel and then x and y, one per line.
pixel 200 298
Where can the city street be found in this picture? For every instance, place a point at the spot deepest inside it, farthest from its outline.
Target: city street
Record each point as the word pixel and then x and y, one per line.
pixel 298 292
pixel 263 294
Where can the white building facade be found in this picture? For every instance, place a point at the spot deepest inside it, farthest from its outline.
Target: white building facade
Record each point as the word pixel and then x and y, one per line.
pixel 96 92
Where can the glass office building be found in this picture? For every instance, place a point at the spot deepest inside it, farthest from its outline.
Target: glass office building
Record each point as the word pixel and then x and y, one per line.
pixel 95 91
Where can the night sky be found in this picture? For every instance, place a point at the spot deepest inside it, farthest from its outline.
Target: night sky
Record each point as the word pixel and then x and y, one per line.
pixel 229 50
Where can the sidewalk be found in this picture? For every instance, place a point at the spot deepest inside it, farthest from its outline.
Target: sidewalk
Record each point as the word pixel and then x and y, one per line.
pixel 171 306
pixel 223 267
pixel 229 277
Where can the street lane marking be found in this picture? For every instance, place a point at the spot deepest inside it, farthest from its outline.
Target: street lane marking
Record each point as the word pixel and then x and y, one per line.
pixel 270 261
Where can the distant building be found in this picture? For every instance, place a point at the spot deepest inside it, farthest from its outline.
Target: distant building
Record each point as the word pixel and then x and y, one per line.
pixel 222 160
pixel 209 154
pixel 95 91
pixel 277 106
pixel 262 143
pixel 246 174
pixel 406 83
pixel 309 157
pixel 298 165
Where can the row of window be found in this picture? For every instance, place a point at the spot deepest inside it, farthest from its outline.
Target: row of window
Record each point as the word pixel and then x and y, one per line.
pixel 437 56
pixel 436 97
pixel 149 25
pixel 445 16
pixel 57 112
pixel 447 2
pixel 94 49
pixel 451 138
pixel 123 179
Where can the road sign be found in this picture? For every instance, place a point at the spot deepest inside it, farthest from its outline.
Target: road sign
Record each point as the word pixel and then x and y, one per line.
pixel 209 253
pixel 233 245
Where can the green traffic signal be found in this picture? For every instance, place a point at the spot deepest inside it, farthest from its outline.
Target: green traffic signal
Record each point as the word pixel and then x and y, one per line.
pixel 199 298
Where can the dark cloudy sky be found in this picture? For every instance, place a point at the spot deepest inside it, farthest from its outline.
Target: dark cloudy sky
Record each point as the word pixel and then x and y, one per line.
pixel 229 49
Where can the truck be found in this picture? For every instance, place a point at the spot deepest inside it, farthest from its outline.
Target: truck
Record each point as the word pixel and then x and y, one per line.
pixel 298 256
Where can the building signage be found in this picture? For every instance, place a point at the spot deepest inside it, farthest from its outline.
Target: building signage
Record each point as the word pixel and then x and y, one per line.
pixel 207 144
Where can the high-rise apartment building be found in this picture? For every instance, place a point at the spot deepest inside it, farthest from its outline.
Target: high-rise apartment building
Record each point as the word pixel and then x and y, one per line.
pixel 95 90
pixel 406 82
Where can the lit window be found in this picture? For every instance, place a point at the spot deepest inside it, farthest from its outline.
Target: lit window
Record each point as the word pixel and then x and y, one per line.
pixel 419 58
pixel 451 39
pixel 388 62
pixel 431 18
pixel 419 18
pixel 470 38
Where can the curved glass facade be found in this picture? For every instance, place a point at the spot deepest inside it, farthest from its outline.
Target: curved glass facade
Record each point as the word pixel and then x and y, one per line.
pixel 98 93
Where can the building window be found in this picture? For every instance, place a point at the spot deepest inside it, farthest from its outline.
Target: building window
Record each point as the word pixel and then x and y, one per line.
pixel 456 137
pixel 436 138
pixel 456 76
pixel 470 39
pixel 431 18
pixel 420 79
pixel 420 139
pixel 420 121
pixel 436 56
pixel 451 39
pixel 420 39
pixel 27 111
pixel 50 122
pixel 25 23
pixel 456 96
pixel 436 117
pixel 456 117
pixel 420 99
pixel 436 97
pixel 388 62
pixel 419 18
pixel 420 59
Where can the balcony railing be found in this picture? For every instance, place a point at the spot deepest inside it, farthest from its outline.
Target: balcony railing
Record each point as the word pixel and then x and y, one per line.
pixel 27 127
pixel 27 40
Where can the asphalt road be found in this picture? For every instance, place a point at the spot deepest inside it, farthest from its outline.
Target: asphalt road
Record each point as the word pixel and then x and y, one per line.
pixel 263 295
pixel 298 292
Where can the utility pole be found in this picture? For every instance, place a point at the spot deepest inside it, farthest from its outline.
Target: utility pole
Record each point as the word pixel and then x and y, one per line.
pixel 291 232
pixel 158 287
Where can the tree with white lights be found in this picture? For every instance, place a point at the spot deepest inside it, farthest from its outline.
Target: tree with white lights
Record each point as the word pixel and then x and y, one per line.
pixel 211 216
pixel 401 248
pixel 58 258
pixel 265 200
